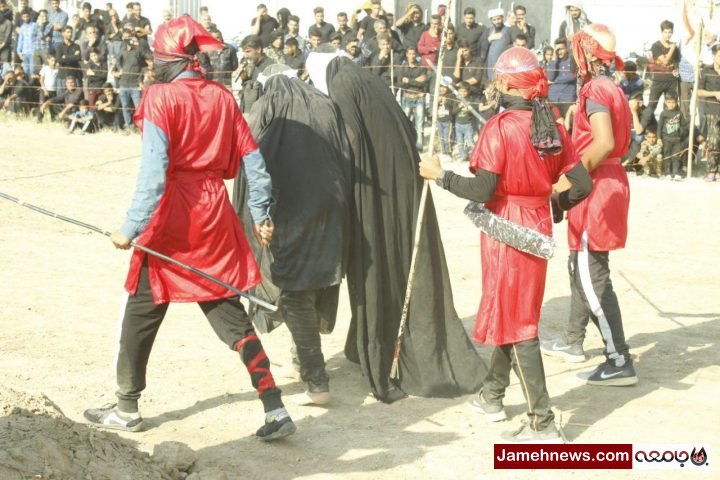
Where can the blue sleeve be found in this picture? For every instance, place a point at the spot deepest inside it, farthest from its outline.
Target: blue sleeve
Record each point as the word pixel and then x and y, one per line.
pixel 151 180
pixel 259 186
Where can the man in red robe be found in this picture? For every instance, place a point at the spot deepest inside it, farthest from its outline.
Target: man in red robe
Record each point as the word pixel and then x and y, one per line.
pixel 520 154
pixel 601 135
pixel 194 136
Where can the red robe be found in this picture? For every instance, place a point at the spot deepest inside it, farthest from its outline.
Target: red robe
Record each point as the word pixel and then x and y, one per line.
pixel 195 222
pixel 604 214
pixel 513 282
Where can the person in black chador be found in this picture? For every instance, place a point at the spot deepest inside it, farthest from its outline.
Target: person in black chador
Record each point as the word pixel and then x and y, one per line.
pixel 301 135
pixel 438 359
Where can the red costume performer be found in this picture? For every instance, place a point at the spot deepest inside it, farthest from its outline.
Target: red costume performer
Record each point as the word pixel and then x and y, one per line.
pixel 194 136
pixel 520 154
pixel 601 134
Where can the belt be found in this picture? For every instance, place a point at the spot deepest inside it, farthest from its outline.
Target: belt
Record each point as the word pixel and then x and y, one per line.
pixel 525 201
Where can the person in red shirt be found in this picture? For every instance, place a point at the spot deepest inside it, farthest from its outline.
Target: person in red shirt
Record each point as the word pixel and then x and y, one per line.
pixel 520 154
pixel 601 135
pixel 194 136
pixel 429 44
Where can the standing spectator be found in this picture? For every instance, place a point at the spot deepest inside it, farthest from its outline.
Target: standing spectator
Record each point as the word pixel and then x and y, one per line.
pixel 496 40
pixel 6 31
pixel 113 38
pixel 88 20
pixel 445 118
pixel 371 46
pixel 263 25
pixel 463 123
pixel 411 25
pixel 709 92
pixel 92 42
pixel 450 52
pixel 325 29
pixel 22 7
pixel 83 119
pixel 167 15
pixel 255 62
pixel 521 27
pixel 58 19
pixel 379 60
pixel 26 42
pixel 472 32
pixel 68 58
pixel 352 48
pixel 42 39
pixel 48 80
pixel 548 53
pixel 314 38
pixel 563 77
pixel 276 50
pixel 128 71
pixel 673 133
pixel 294 32
pixel 629 81
pixel 664 66
pixel 575 20
pixel 467 68
pixel 413 78
pixel 282 16
pixel 107 109
pixel 344 29
pixel 365 29
pixel 429 43
pixel 143 27
pixel 221 64
pixel 63 104
pixel 95 75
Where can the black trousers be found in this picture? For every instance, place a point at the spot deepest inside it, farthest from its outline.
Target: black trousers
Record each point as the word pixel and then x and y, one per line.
pixel 525 359
pixel 593 297
pixel 228 319
pixel 307 313
pixel 658 89
pixel 672 155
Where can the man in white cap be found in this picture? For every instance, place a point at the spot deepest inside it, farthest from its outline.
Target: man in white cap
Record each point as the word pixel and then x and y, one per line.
pixel 497 39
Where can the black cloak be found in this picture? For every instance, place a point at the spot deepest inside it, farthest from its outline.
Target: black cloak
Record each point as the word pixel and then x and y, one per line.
pixel 438 359
pixel 301 137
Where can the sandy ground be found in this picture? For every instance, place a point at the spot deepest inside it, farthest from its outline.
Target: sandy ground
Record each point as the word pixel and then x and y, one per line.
pixel 61 293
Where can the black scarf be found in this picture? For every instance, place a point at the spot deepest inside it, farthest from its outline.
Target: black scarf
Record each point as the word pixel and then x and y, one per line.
pixel 171 66
pixel 545 136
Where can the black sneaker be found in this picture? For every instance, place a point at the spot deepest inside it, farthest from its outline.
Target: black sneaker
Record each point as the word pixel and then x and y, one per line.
pixel 609 375
pixel 557 347
pixel 110 417
pixel 525 434
pixel 494 412
pixel 276 426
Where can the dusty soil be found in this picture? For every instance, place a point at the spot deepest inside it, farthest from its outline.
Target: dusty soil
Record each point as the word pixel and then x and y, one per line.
pixel 61 291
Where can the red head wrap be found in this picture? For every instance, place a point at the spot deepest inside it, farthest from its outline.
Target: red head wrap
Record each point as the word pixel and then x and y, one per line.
pixel 173 37
pixel 595 41
pixel 518 68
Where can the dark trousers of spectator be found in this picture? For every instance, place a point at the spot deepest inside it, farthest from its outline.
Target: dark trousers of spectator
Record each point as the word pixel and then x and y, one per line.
pixel 445 131
pixel 109 119
pixel 129 99
pixel 93 95
pixel 525 359
pixel 592 297
pixel 415 108
pixel 39 59
pixel 306 314
pixel 672 155
pixel 227 317
pixel 658 89
pixel 464 138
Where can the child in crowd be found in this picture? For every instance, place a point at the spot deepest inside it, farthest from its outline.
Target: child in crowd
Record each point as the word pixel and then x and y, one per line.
pixel 463 122
pixel 673 132
pixel 650 156
pixel 83 118
pixel 48 77
pixel 445 119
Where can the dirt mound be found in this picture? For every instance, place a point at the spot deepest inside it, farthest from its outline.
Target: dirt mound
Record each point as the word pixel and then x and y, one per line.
pixel 38 441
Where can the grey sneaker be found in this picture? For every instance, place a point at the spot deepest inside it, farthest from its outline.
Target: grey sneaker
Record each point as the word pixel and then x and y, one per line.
pixel 557 347
pixel 525 434
pixel 494 412
pixel 110 417
pixel 278 424
pixel 609 375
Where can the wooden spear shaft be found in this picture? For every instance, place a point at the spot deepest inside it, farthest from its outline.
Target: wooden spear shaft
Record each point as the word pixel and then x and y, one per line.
pixel 395 369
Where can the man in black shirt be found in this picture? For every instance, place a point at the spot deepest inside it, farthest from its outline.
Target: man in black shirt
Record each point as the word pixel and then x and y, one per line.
pixel 221 64
pixel 521 27
pixel 142 26
pixel 87 20
pixel 467 68
pixel 13 94
pixel 128 72
pixel 366 29
pixel 379 60
pixel 450 50
pixel 294 58
pixel 263 25
pixel 68 56
pixel 344 29
pixel 643 121
pixel 62 105
pixel 321 25
pixel 413 79
pixel 255 62
pixel 411 25
pixel 471 32
pixel 664 68
pixel 107 108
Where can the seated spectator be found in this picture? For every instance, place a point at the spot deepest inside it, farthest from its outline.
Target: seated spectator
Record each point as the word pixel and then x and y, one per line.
pixel 82 119
pixel 61 106
pixel 108 109
pixel 629 81
pixel 352 47
pixel 650 157
pixel 13 92
pixel 413 80
pixel 562 75
pixel 673 132
pixel 643 121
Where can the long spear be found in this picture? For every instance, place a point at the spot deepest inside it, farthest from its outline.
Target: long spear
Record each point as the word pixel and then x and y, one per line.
pixel 395 369
pixel 87 226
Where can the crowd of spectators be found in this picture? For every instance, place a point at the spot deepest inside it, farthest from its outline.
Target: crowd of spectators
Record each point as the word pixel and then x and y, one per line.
pixel 51 61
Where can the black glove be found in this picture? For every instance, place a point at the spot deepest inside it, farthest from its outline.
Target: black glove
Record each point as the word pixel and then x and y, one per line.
pixel 557 212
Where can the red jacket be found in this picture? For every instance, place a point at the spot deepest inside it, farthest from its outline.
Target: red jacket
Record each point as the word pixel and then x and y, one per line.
pixel 428 48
